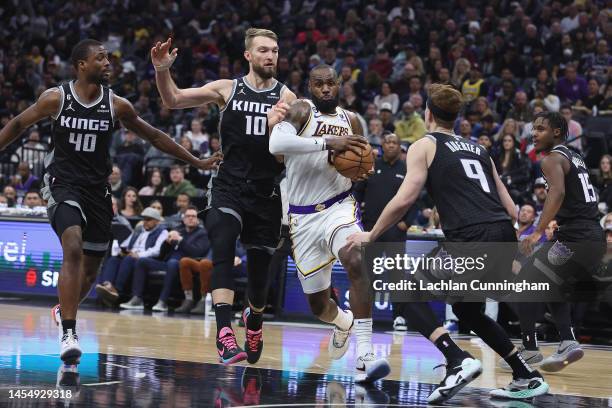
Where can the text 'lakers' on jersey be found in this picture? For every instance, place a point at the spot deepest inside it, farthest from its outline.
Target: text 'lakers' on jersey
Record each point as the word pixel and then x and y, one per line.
pixel 81 139
pixel 580 201
pixel 312 177
pixel 243 128
pixel 460 180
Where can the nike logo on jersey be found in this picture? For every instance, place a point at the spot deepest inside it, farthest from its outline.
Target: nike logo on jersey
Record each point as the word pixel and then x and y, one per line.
pixel 70 106
pixel 241 92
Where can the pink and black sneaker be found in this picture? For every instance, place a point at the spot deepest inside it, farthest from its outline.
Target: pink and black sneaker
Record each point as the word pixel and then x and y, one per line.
pixel 229 352
pixel 254 339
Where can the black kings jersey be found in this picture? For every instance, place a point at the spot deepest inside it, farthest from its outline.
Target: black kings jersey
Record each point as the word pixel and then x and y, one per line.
pixel 580 201
pixel 460 181
pixel 81 139
pixel 243 128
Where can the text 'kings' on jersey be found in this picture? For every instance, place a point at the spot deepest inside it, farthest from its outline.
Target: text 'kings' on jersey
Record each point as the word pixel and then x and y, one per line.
pixel 243 130
pixel 460 181
pixel 81 139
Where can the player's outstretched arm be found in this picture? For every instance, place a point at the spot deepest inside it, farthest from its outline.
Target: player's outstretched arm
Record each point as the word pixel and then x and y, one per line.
pixel 175 98
pixel 48 104
pixel 126 113
pixel 394 211
pixel 552 167
pixel 504 196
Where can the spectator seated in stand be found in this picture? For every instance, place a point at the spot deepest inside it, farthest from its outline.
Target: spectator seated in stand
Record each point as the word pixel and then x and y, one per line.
pixel 24 180
pixel 514 169
pixel 115 182
pixel 155 185
pixel 410 127
pixel 181 204
pixel 130 158
pixel 10 194
pixel 130 206
pixel 144 242
pixel 178 183
pixel 32 199
pixel 188 240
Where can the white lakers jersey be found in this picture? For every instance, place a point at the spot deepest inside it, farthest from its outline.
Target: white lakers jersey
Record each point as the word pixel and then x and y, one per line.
pixel 311 177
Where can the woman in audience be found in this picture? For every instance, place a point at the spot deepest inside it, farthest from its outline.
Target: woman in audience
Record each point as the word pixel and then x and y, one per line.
pixel 387 96
pixel 603 181
pixel 195 135
pixel 349 100
pixel 130 203
pixel 155 185
pixel 513 169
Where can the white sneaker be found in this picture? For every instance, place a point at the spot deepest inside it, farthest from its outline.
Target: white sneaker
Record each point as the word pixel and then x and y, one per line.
pixel 57 318
pixel 339 340
pixel 399 324
pixel 455 379
pixel 160 306
pixel 135 303
pixel 370 369
pixel 70 349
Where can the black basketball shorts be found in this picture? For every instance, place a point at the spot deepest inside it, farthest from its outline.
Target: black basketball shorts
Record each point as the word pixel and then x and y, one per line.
pixel 95 206
pixel 256 204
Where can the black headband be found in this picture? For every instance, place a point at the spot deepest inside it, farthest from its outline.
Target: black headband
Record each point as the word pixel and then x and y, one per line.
pixel 440 113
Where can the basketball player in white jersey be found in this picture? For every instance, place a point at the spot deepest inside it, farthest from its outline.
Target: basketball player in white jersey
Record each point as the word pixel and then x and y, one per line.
pixel 322 213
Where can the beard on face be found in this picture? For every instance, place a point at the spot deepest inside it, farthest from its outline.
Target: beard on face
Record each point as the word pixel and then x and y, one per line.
pixel 326 105
pixel 264 72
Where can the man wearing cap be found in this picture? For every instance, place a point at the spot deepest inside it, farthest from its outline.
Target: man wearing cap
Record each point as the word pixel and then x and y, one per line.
pixel 145 241
pixel 187 240
pixel 539 194
pixel 386 117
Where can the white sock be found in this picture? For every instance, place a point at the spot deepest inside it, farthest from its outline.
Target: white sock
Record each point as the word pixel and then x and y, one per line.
pixel 189 295
pixel 343 320
pixel 363 332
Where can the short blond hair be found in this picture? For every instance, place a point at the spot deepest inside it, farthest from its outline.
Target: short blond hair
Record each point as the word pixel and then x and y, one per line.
pixel 252 32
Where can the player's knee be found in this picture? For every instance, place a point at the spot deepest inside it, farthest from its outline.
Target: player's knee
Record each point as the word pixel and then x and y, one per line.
pixel 72 248
pixel 351 261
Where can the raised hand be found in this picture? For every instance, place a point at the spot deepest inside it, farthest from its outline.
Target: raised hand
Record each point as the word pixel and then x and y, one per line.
pixel 210 163
pixel 161 57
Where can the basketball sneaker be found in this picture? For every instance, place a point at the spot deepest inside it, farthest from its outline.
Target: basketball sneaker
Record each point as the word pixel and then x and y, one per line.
pixel 569 351
pixel 251 386
pixel 399 324
pixel 522 388
pixel 70 350
pixel 339 340
pixel 455 379
pixel 57 318
pixel 253 344
pixel 370 369
pixel 227 347
pixel 532 357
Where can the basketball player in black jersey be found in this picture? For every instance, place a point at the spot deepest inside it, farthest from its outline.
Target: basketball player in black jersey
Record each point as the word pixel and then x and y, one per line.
pixel 85 114
pixel 578 244
pixel 244 199
pixel 474 206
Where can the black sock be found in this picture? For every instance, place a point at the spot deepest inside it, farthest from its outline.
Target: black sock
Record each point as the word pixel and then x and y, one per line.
pixel 520 369
pixel 254 320
pixel 69 324
pixel 223 314
pixel 452 352
pixel 530 341
pixel 561 313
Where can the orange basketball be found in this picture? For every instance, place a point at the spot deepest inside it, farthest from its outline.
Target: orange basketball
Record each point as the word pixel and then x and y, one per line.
pixel 351 165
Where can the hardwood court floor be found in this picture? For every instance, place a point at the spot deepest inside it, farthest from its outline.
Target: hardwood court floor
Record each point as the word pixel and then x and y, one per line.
pixel 293 354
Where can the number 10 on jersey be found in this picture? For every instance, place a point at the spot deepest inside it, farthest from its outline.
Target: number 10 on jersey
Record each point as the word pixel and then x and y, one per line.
pixel 83 142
